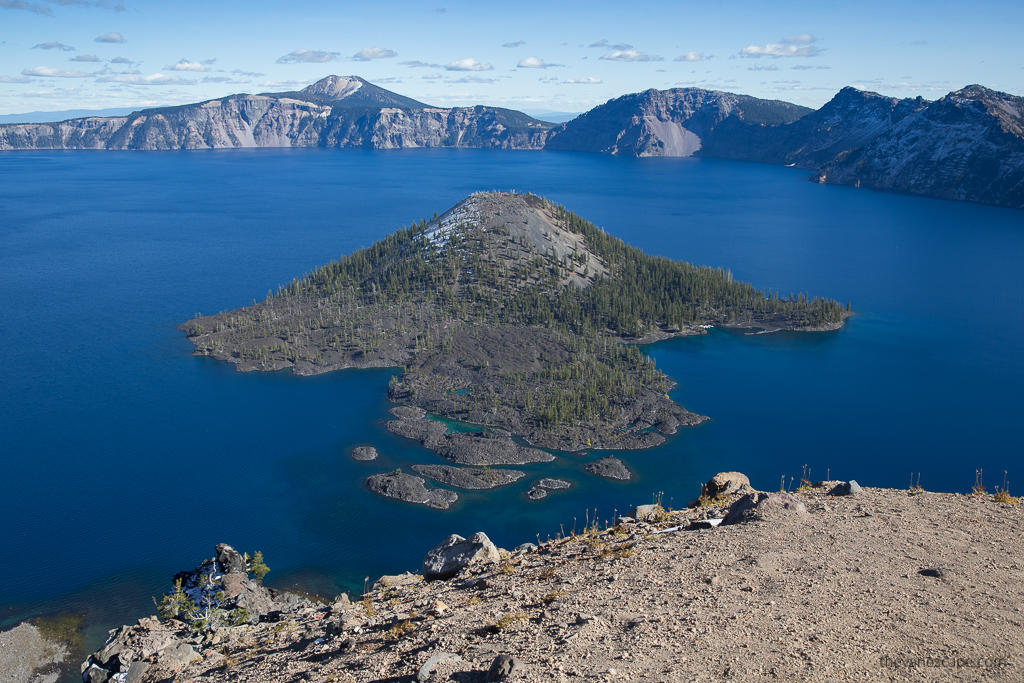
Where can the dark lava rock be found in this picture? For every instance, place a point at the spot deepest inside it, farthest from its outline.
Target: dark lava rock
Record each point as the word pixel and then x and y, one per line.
pixel 936 572
pixel 536 493
pixel 504 667
pixel 411 489
pixel 364 453
pixel 486 447
pixel 469 477
pixel 611 468
pixel 761 506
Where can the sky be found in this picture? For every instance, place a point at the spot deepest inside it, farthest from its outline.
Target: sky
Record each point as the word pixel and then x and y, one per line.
pixel 534 56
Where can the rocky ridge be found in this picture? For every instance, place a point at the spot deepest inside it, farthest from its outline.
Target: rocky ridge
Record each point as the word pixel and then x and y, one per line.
pixel 873 585
pixel 965 146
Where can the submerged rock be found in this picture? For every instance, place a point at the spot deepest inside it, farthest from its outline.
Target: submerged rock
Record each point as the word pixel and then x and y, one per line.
pixel 455 553
pixel 469 477
pixel 610 468
pixel 410 489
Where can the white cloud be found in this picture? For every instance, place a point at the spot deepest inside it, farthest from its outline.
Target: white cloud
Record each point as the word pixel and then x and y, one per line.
pixel 50 72
pixel 250 74
pixel 54 45
pixel 223 79
pixel 630 56
pixel 605 43
pixel 431 77
pixel 474 79
pixel 467 64
pixel 281 84
pixel 185 65
pixel 690 57
pixel 84 58
pixel 535 63
pixel 120 60
pixel 135 78
pixel 589 80
pixel 416 64
pixel 373 52
pixel 15 79
pixel 758 67
pixel 389 79
pixel 802 39
pixel 919 42
pixel 112 37
pixel 515 44
pixel 310 56
pixel 807 67
pixel 35 7
pixel 796 46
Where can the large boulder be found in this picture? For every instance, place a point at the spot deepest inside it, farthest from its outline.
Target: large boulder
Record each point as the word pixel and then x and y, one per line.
pixel 727 483
pixel 230 560
pixel 455 553
pixel 759 506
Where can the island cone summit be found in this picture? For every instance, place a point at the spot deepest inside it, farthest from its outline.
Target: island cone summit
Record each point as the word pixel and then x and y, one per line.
pixel 507 311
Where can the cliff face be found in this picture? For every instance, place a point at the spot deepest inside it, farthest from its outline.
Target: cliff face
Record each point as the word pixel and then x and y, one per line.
pixel 334 112
pixel 967 146
pixel 679 122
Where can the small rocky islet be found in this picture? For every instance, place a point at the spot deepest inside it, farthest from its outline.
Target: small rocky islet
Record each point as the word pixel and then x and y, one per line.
pixel 739 571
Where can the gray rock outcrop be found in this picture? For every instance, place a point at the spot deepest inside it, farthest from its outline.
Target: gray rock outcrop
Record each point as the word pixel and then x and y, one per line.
pixel 727 483
pixel 455 553
pixel 759 506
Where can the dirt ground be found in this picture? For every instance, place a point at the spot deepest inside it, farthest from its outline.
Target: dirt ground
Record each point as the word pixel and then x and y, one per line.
pixel 884 585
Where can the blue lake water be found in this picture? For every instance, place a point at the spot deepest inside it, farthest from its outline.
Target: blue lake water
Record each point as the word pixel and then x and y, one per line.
pixel 125 459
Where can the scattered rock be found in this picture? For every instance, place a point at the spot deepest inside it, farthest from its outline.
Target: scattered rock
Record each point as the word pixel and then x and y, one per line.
pixel 408 413
pixel 846 488
pixel 727 483
pixel 406 579
pixel 25 655
pixel 348 645
pixel 704 523
pixel 410 489
pixel 178 656
pixel 610 468
pixel 553 484
pixel 643 512
pixel 936 572
pixel 761 506
pixel 525 548
pixel 424 673
pixel 455 553
pixel 364 453
pixel 504 667
pixel 469 477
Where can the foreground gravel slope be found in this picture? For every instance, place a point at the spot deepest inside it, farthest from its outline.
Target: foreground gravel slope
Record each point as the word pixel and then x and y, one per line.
pixel 843 592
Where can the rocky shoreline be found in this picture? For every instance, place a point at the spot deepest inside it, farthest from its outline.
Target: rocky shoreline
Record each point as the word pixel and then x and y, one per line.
pixel 832 582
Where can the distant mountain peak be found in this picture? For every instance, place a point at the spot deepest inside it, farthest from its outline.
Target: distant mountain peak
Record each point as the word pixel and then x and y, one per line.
pixel 335 87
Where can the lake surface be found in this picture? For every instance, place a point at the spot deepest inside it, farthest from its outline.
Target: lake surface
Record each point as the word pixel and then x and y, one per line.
pixel 125 459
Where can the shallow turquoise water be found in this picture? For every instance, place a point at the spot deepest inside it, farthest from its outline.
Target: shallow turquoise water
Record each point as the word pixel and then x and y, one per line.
pixel 126 459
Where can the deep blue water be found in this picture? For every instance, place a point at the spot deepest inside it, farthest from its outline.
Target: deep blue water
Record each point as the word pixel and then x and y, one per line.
pixel 125 459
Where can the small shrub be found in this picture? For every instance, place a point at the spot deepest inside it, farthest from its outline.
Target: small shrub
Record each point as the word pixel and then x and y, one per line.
pixel 507 567
pixel 979 487
pixel 506 622
pixel 475 600
pixel 400 629
pixel 552 596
